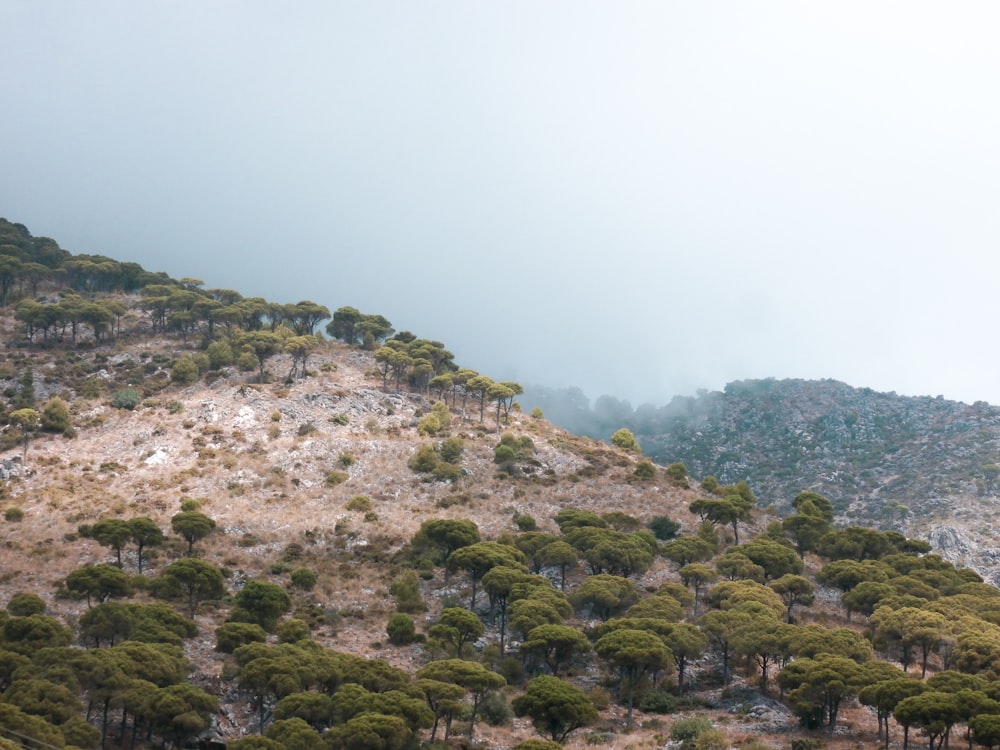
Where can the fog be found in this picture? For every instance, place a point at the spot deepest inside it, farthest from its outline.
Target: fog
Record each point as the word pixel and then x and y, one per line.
pixel 639 199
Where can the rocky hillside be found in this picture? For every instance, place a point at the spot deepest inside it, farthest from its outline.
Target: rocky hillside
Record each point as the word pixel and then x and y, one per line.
pixel 927 466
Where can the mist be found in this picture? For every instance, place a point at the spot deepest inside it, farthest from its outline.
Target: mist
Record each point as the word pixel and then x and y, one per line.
pixel 639 200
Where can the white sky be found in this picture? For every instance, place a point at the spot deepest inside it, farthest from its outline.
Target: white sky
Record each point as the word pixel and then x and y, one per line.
pixel 638 198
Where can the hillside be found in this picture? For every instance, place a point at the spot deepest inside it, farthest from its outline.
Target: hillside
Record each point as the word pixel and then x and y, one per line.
pixel 221 526
pixel 927 466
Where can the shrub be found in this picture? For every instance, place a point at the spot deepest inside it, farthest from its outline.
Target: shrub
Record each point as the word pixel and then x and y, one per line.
pixel 14 515
pixel 304 578
pixel 658 702
pixel 536 413
pixel 406 589
pixel 401 629
pixel 359 503
pixel 126 398
pixel 220 354
pixel 713 739
pixel 663 528
pixel 625 440
pixel 525 522
pixel 346 460
pixel 644 470
pixel 306 428
pixel 677 471
pixel 336 477
pixel 25 604
pixel 495 709
pixel 424 460
pixel 293 630
pixel 451 449
pixel 55 417
pixel 184 371
pixel 687 731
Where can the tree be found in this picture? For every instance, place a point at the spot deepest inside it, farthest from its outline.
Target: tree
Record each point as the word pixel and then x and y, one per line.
pixel 697 576
pixel 294 734
pixel 884 695
pixel 556 645
pixel 442 536
pixel 933 711
pixel 457 627
pixel 605 595
pixel 555 708
pixel 98 582
pixel 263 344
pixel 371 731
pixel 262 603
pixel 181 712
pixel 192 526
pixel 344 325
pixel 687 643
pixel 26 421
pixel 145 533
pixel 474 677
pixel 109 532
pixel 818 687
pixel 794 590
pixel 444 700
pixel 634 653
pixel 192 581
pixel 480 557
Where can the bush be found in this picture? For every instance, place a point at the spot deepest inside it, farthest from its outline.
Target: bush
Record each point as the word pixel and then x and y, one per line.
pixel 291 631
pixel 401 629
pixel 495 709
pixel 336 477
pixel 658 702
pixel 451 449
pixel 25 604
pixel 306 428
pixel 644 470
pixel 536 413
pixel 14 515
pixel 663 528
pixel 126 398
pixel 406 589
pixel 713 739
pixel 625 440
pixel 220 354
pixel 55 417
pixel 346 460
pixel 525 522
pixel 359 503
pixel 184 371
pixel 687 731
pixel 304 579
pixel 677 471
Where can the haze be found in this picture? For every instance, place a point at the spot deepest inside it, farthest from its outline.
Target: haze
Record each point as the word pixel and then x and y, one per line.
pixel 639 199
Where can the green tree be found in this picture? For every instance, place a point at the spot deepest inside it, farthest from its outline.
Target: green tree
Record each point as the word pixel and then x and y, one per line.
pixel 605 595
pixel 457 627
pixel 98 582
pixel 818 687
pixel 794 590
pixel 697 576
pixel 476 679
pixel 192 526
pixel 555 708
pixel 145 533
pixel 181 712
pixel 191 581
pixel 109 532
pixel 294 734
pixel 555 645
pixel 634 653
pixel 26 421
pixel 478 558
pixel 263 345
pixel 262 603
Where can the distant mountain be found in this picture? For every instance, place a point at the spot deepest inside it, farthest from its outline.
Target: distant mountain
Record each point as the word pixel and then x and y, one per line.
pixel 868 452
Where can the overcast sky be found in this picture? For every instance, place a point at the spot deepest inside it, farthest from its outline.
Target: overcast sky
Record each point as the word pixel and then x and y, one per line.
pixel 637 198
